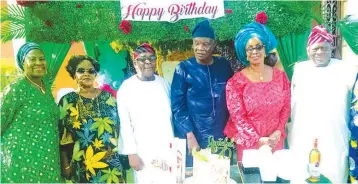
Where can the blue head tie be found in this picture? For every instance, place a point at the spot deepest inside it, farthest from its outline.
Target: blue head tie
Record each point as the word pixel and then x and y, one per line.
pixel 23 51
pixel 260 31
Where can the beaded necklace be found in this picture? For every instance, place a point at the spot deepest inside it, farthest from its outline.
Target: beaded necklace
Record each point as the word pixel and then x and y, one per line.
pixel 36 85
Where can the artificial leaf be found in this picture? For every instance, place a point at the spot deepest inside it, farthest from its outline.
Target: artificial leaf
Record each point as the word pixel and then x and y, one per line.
pixel 13 22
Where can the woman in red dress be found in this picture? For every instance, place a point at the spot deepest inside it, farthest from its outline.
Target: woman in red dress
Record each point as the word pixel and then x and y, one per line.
pixel 258 97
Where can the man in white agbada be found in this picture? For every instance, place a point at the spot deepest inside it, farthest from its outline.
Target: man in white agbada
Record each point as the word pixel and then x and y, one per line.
pixel 145 115
pixel 320 98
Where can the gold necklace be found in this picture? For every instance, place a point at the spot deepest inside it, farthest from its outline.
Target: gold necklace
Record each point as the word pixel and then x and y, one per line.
pixel 93 99
pixel 261 75
pixel 36 85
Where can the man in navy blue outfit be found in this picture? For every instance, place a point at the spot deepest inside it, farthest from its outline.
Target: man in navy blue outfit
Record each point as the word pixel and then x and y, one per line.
pixel 198 93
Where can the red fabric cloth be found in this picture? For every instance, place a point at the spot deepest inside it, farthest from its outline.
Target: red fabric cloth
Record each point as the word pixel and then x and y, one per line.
pixel 257 109
pixel 108 88
pixel 319 34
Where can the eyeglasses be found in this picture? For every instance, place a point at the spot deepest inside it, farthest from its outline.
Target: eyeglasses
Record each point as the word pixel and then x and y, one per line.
pixel 257 48
pixel 91 71
pixel 145 58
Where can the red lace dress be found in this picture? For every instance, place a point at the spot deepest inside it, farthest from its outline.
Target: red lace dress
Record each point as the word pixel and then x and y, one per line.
pixel 257 109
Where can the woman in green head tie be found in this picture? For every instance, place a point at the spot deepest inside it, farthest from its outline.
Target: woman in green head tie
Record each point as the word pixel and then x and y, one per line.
pixel 29 123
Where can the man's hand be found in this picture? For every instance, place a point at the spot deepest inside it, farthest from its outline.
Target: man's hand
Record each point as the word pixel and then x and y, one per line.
pixel 274 138
pixel 192 142
pixel 135 162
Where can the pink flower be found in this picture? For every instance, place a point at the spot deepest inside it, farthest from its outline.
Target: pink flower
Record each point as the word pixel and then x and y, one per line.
pixel 228 11
pixel 186 28
pixel 261 18
pixel 125 26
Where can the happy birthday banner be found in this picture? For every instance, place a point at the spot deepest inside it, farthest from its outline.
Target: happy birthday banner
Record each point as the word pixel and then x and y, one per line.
pixel 171 10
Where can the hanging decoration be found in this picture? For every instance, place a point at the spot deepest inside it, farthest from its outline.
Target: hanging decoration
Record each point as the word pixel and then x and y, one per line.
pixel 112 65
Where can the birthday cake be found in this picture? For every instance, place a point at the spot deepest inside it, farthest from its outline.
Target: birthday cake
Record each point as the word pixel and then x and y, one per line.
pixel 210 168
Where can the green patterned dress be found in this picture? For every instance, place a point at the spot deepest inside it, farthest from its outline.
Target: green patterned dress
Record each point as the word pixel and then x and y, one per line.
pixel 29 135
pixel 89 131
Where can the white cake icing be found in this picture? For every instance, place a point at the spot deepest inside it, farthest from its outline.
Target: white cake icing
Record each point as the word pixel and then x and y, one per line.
pixel 210 168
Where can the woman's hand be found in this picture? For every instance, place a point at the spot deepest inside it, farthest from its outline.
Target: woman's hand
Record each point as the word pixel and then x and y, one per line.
pixel 135 162
pixel 274 138
pixel 67 171
pixel 65 164
pixel 263 141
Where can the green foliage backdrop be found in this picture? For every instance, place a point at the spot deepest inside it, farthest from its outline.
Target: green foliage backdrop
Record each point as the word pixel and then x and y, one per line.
pixel 65 21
